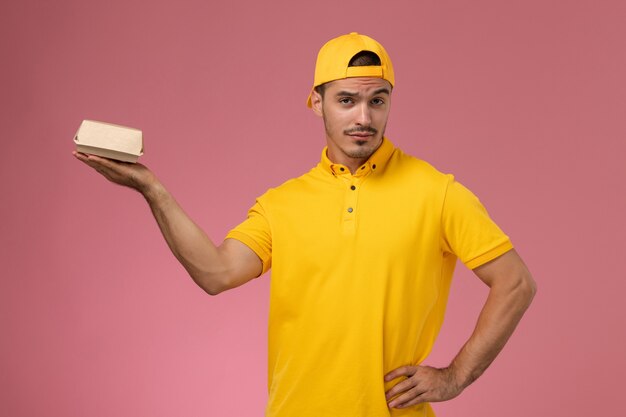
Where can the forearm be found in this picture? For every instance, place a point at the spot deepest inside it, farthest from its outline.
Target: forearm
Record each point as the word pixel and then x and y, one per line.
pixel 189 244
pixel 500 315
pixel 209 266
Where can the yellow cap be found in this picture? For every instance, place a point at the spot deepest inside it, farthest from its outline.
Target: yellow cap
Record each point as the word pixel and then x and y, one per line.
pixel 335 55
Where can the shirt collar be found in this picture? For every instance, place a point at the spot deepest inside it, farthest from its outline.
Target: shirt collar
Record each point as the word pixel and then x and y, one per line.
pixel 375 163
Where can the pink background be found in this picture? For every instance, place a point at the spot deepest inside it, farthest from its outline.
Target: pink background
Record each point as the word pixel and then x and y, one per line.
pixel 523 101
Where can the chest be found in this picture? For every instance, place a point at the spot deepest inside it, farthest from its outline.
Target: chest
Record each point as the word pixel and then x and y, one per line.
pixel 368 216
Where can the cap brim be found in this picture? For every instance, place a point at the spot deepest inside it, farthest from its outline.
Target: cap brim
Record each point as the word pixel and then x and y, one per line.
pixel 308 100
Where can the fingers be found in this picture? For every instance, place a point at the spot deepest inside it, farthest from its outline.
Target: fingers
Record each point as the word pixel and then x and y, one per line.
pixel 91 160
pixel 411 397
pixel 410 394
pixel 79 156
pixel 95 159
pixel 407 386
pixel 399 387
pixel 401 402
pixel 423 384
pixel 101 164
pixel 109 169
pixel 420 385
pixel 136 176
pixel 403 370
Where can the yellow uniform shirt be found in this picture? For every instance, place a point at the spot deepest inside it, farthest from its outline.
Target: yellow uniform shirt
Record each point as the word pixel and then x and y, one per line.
pixel 361 271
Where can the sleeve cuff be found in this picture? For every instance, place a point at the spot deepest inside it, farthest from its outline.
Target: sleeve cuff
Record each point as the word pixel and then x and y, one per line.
pixel 263 255
pixel 490 255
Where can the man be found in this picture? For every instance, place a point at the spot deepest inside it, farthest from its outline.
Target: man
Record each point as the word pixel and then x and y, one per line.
pixel 362 250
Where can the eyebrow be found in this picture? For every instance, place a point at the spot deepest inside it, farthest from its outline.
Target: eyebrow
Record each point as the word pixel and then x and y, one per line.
pixel 384 90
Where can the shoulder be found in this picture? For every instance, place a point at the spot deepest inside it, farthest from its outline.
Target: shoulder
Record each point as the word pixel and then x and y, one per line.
pixel 408 167
pixel 294 187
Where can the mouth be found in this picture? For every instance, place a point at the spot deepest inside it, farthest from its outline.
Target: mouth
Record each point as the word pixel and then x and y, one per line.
pixel 361 132
pixel 361 138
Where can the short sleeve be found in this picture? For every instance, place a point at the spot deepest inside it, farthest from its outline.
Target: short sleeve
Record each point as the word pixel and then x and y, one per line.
pixel 255 232
pixel 467 230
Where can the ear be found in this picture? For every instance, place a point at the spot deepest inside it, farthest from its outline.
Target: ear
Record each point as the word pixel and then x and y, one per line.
pixel 316 103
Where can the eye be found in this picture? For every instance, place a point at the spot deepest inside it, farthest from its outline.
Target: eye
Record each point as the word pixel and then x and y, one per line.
pixel 378 101
pixel 345 100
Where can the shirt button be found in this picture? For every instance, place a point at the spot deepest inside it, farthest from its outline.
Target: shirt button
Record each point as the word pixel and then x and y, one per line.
pixel 352 187
pixel 350 210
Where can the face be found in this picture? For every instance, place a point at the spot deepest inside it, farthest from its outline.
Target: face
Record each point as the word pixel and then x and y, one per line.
pixel 355 112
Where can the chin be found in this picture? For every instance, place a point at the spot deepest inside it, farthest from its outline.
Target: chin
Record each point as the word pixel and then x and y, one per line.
pixel 364 148
pixel 360 152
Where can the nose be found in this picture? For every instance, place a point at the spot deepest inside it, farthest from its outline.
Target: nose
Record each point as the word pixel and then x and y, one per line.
pixel 363 117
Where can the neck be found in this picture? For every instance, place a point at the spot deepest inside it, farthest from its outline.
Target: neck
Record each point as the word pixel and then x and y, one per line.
pixel 353 158
pixel 351 163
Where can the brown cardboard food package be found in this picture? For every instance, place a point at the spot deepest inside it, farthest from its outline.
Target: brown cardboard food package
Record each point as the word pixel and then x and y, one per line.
pixel 110 141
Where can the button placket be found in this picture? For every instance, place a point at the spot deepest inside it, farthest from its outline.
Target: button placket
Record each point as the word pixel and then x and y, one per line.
pixel 350 207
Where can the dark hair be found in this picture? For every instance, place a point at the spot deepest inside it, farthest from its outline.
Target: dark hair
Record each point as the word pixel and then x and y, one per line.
pixel 362 59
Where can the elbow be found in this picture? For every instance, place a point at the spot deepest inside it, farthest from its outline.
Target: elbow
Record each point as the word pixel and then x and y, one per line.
pixel 526 288
pixel 212 284
pixel 212 290
pixel 531 285
pixel 219 286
